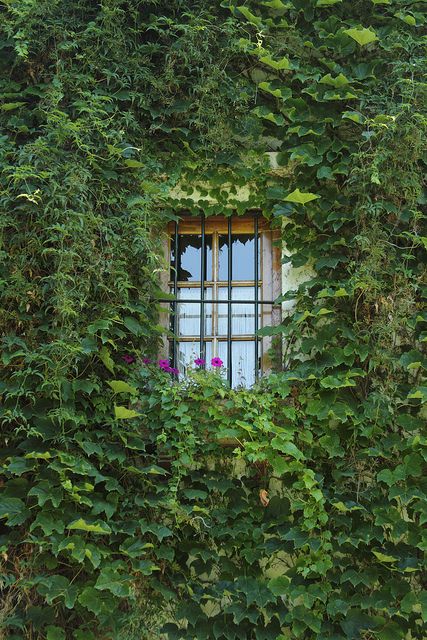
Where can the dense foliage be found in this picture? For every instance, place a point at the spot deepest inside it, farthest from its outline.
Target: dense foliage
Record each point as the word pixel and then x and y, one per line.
pixel 121 508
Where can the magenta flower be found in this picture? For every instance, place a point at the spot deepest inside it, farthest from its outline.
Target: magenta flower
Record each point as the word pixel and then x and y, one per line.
pixel 199 362
pixel 128 358
pixel 146 360
pixel 174 371
pixel 216 362
pixel 164 364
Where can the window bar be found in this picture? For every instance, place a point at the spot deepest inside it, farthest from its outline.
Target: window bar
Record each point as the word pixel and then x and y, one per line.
pixel 256 307
pixel 202 291
pixel 230 277
pixel 175 303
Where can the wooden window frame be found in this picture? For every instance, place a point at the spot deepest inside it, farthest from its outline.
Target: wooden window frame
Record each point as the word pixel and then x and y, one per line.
pixel 269 279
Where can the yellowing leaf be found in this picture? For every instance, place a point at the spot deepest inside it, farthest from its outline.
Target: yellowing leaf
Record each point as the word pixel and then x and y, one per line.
pixel 338 82
pixel 123 413
pixel 353 115
pixel 106 358
pixel 9 106
pixel 250 17
pixel 38 455
pixel 300 197
pixel 276 64
pixel 134 164
pixel 362 36
pixel 94 527
pixel 119 386
pixel 384 558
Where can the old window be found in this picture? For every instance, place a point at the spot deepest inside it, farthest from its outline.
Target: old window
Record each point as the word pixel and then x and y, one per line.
pixel 225 275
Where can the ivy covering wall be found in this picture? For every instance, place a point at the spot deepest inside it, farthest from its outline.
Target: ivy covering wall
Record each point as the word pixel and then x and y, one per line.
pixel 123 515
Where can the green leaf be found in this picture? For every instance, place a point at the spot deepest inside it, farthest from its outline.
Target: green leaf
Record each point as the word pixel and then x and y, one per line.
pixel 110 579
pixel 9 106
pixel 123 413
pixel 91 599
pixel 286 447
pixel 278 65
pixel 14 510
pixel 338 82
pixel 419 393
pixel 300 197
pixel 391 631
pixel 134 164
pixel 54 633
pixel 48 522
pixel 106 358
pixel 279 586
pixel 276 89
pixel 355 621
pixel 250 17
pixel 355 116
pixel 94 527
pixel 56 586
pixel 362 36
pixel 133 325
pixel 119 386
pixel 265 113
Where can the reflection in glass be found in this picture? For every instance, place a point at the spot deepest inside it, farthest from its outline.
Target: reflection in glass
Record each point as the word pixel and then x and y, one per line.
pixel 189 258
pixel 242 259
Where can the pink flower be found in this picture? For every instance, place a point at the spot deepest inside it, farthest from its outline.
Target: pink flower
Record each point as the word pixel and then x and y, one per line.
pixel 164 364
pixel 216 362
pixel 199 362
pixel 128 358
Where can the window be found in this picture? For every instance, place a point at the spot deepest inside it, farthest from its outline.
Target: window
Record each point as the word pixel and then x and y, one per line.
pixel 221 274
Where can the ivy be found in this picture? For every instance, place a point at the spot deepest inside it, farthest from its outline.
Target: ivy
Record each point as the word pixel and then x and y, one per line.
pixel 133 504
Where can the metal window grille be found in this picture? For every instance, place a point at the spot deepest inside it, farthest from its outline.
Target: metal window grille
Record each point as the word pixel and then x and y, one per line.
pixel 229 301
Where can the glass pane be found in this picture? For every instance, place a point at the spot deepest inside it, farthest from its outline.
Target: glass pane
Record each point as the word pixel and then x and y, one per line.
pixel 243 363
pixel 242 315
pixel 188 352
pixel 189 258
pixel 221 352
pixel 188 313
pixel 222 257
pixel 242 259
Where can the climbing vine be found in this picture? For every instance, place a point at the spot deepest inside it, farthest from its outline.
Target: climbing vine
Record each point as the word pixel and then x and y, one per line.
pixel 134 504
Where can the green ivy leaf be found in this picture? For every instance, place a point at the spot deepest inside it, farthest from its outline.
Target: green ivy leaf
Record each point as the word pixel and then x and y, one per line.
pixel 110 579
pixel 54 633
pixel 279 586
pixel 250 17
pixel 301 198
pixel 14 510
pixel 91 599
pixel 105 357
pixel 133 325
pixel 362 36
pixel 10 106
